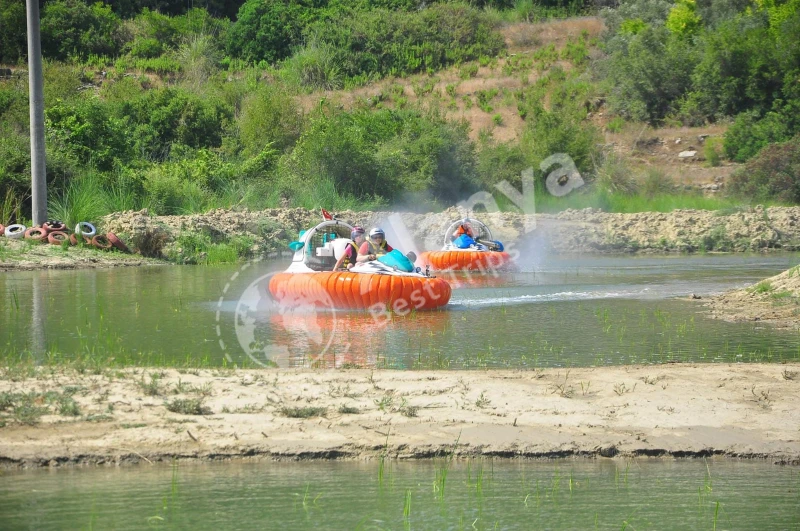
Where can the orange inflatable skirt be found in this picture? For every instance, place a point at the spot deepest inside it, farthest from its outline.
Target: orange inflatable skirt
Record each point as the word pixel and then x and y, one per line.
pixel 346 290
pixel 465 260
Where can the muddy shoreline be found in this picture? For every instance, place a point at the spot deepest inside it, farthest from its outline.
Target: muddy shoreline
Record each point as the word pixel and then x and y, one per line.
pixel 121 417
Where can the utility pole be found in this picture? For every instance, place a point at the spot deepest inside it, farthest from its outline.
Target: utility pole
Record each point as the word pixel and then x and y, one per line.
pixel 36 95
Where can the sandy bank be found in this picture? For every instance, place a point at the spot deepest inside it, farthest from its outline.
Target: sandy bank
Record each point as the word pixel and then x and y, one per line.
pixel 775 300
pixel 19 255
pixel 665 410
pixel 571 231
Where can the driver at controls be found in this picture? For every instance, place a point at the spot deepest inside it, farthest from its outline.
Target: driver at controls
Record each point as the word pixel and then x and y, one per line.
pixel 374 246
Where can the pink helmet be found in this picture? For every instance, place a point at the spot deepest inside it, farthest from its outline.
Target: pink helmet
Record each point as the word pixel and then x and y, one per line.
pixel 356 231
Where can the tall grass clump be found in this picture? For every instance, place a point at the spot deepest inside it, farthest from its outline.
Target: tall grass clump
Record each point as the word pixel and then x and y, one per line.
pixel 314 67
pixel 83 199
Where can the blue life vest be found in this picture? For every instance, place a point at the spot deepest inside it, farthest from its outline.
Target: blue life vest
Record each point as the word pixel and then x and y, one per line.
pixel 397 259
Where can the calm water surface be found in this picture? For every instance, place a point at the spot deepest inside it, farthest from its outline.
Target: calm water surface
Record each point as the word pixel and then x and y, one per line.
pixel 477 494
pixel 579 311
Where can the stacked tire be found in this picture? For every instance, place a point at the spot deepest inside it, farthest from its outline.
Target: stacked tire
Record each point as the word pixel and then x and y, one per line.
pixel 56 232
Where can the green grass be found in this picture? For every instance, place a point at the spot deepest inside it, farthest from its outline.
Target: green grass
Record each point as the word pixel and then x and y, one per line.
pixel 628 204
pixel 303 412
pixel 188 406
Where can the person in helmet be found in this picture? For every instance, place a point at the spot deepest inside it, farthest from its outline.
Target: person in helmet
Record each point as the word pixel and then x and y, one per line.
pixel 464 228
pixel 348 258
pixel 374 246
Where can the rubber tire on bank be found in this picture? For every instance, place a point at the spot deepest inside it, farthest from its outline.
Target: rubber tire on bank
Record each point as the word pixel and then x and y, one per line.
pixel 117 243
pixel 15 231
pixel 57 237
pixel 37 234
pixel 73 240
pixel 101 242
pixel 90 229
pixel 54 225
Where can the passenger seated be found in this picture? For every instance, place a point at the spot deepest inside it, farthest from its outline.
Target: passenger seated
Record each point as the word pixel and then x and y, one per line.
pixel 374 246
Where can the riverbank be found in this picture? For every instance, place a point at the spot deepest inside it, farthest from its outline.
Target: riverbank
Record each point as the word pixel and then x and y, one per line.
pixel 231 235
pixel 55 417
pixel 775 300
pixel 570 231
pixel 21 255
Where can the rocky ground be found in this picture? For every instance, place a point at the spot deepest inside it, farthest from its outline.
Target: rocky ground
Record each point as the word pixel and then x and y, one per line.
pixel 21 255
pixel 571 231
pixel 58 417
pixel 775 300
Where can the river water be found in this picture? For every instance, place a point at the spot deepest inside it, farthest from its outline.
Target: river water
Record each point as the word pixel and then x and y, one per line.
pixel 436 494
pixel 574 311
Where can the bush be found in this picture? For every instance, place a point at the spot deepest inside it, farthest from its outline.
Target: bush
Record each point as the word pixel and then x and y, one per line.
pixel 712 150
pixel 650 74
pixel 87 130
pixel 73 28
pixel 381 42
pixel 737 71
pixel 13 42
pixel 773 175
pixel 560 131
pixel 164 117
pixel 383 153
pixel 314 67
pixel 268 30
pixel 269 117
pixel 749 134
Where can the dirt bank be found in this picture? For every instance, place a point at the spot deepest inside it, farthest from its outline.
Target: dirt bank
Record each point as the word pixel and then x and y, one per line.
pixel 775 300
pixel 21 255
pixel 267 233
pixel 124 416
pixel 571 231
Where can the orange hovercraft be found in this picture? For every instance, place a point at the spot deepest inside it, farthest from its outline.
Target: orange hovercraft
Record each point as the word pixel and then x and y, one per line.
pixel 468 246
pixel 375 285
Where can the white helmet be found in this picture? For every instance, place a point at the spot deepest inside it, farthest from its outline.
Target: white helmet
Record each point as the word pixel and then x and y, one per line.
pixel 377 232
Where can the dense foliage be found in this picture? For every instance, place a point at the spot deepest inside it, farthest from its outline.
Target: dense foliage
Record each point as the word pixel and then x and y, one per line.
pixel 179 109
pixel 706 61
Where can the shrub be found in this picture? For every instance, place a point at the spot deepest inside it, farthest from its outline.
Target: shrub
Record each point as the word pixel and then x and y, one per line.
pixel 773 175
pixel 750 133
pixel 655 182
pixel 161 118
pixel 383 153
pixel 560 131
pixel 382 42
pixel 73 28
pixel 86 129
pixel 712 150
pixel 269 117
pixel 314 67
pixel 13 43
pixel 498 162
pixel 650 74
pixel 267 30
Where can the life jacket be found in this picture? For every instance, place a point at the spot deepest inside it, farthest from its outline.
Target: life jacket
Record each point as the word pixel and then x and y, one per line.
pixel 377 249
pixel 346 262
pixel 463 230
